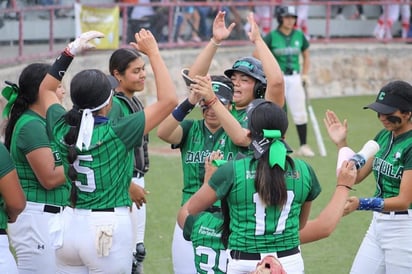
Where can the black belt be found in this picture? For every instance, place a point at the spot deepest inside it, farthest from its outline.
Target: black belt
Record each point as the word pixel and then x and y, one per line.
pixel 396 212
pixel 213 209
pixel 239 255
pixel 138 174
pixel 3 232
pixel 52 209
pixel 111 209
pixel 290 72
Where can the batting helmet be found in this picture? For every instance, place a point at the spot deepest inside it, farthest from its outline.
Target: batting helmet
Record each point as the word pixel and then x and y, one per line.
pixel 223 88
pixel 282 11
pixel 253 68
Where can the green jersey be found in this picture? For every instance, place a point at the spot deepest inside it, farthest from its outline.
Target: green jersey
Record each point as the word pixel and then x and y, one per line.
pixel 392 159
pixel 103 177
pixel 204 231
pixel 6 166
pixel 196 144
pixel 256 228
pixel 30 134
pixel 287 49
pixel 241 116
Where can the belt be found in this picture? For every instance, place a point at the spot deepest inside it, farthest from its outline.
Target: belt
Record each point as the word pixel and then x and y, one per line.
pixel 290 72
pixel 52 209
pixel 111 209
pixel 213 209
pixel 3 232
pixel 395 212
pixel 138 174
pixel 239 255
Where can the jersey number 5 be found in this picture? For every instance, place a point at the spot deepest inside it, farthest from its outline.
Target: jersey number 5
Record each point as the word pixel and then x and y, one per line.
pixel 90 184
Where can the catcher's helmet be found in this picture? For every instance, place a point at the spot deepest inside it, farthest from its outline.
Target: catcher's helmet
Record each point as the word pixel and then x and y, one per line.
pixel 253 68
pixel 282 11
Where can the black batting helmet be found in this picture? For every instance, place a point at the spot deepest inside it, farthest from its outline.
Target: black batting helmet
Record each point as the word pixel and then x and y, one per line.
pixel 282 11
pixel 253 68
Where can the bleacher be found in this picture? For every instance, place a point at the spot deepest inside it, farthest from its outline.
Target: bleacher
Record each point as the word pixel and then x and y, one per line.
pixel 38 29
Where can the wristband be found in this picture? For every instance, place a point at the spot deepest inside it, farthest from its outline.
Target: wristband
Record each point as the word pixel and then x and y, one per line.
pixel 375 204
pixel 348 187
pixel 210 102
pixel 214 42
pixel 180 112
pixel 60 66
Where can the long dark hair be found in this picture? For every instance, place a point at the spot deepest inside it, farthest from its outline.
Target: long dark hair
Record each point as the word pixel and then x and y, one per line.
pixel 88 89
pixel 121 58
pixel 29 83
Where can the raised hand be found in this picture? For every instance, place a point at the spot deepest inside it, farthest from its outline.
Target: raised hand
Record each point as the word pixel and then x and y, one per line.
pixel 145 42
pixel 254 33
pixel 337 130
pixel 220 31
pixel 83 42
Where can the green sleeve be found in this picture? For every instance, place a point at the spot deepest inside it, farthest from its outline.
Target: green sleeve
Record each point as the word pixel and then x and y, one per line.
pixel 130 129
pixel 25 141
pixel 6 163
pixel 222 180
pixel 188 227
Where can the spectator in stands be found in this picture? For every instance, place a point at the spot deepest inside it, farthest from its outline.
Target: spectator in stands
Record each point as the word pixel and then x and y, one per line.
pixel 357 15
pixel 187 16
pixel 149 17
pixel 390 14
pixel 57 12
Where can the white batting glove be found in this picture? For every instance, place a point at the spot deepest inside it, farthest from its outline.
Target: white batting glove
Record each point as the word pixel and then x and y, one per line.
pixel 305 80
pixel 83 42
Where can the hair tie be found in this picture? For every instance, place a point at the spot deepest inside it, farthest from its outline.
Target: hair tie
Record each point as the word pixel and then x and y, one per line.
pixel 10 92
pixel 277 150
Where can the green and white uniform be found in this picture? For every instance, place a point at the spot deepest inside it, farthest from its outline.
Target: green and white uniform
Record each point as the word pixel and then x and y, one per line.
pixel 7 261
pixel 102 208
pixel 197 143
pixel 30 235
pixel 205 230
pixel 387 245
pixel 256 228
pixel 287 50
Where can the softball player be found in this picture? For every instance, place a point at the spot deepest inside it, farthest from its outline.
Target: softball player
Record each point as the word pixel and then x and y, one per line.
pixel 252 77
pixel 204 230
pixel 128 69
pixel 387 245
pixel 287 44
pixel 97 230
pixel 262 209
pixel 38 164
pixel 12 202
pixel 196 139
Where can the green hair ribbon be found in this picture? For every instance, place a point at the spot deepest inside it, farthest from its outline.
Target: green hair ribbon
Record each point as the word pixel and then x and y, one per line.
pixel 218 163
pixel 277 150
pixel 9 92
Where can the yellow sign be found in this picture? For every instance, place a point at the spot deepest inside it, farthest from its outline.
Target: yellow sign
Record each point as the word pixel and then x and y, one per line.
pixel 105 20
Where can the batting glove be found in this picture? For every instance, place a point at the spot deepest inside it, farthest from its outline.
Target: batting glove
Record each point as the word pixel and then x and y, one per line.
pixel 83 42
pixel 305 80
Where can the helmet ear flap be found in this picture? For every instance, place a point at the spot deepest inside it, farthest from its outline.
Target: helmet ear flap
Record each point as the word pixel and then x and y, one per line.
pixel 259 90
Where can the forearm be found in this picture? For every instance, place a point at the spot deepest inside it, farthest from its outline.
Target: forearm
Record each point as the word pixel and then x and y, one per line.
pixel 275 90
pixel 166 90
pixel 168 130
pixel 202 62
pixel 326 222
pixel 232 127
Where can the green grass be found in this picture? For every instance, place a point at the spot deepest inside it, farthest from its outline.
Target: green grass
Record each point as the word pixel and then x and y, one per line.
pixel 164 181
